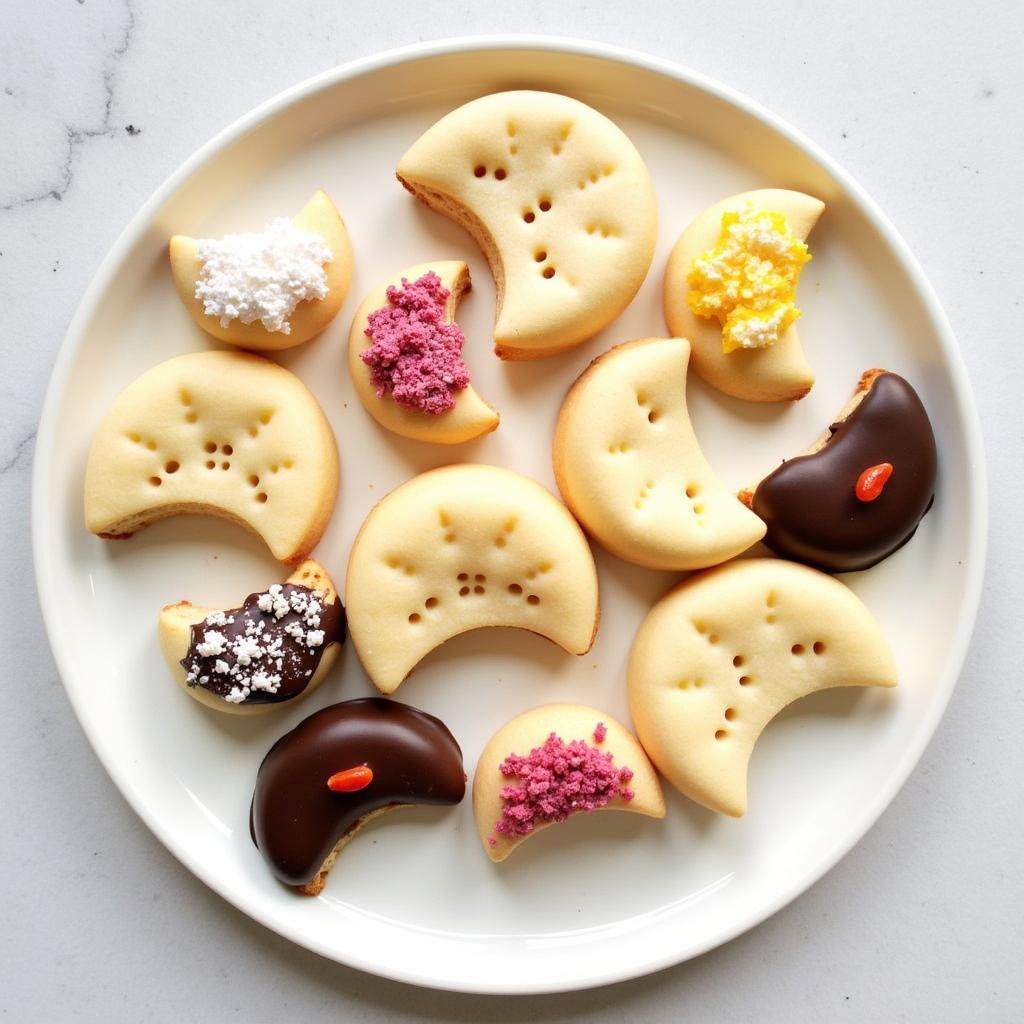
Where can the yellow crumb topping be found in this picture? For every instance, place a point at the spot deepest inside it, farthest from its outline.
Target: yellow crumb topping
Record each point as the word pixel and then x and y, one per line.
pixel 748 280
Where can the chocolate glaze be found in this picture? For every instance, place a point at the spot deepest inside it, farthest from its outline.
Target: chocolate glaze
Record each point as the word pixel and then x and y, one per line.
pixel 809 504
pixel 295 820
pixel 296 664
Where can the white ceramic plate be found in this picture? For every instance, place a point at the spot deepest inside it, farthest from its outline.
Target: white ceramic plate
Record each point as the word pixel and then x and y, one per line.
pixel 603 897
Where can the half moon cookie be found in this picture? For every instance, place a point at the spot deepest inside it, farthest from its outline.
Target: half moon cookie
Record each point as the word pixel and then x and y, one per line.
pixel 337 769
pixel 730 287
pixel 558 199
pixel 218 433
pixel 277 647
pixel 405 357
pixel 461 548
pixel 725 651
pixel 860 491
pixel 555 761
pixel 628 464
pixel 267 290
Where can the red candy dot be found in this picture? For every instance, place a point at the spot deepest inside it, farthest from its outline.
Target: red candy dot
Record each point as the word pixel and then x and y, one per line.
pixel 872 481
pixel 351 780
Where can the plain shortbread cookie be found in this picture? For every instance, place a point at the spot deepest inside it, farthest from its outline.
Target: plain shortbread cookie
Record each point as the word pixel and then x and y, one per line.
pixel 773 374
pixel 459 548
pixel 219 433
pixel 569 722
pixel 560 202
pixel 470 417
pixel 723 652
pixel 629 466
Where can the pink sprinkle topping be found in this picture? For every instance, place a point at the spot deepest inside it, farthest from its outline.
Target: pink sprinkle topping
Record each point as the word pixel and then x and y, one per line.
pixel 416 356
pixel 558 779
pixel 600 731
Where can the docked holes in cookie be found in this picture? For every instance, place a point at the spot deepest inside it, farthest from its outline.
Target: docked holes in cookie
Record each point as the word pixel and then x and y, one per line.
pixel 544 205
pixel 549 272
pixel 480 170
pixel 540 255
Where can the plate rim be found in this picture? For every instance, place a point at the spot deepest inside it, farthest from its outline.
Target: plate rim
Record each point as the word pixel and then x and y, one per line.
pixel 977 539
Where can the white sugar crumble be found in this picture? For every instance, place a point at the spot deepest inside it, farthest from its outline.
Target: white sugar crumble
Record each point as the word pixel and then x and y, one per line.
pixel 262 276
pixel 214 642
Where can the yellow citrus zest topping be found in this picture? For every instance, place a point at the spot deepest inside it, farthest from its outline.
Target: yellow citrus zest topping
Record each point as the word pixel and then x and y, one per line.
pixel 748 280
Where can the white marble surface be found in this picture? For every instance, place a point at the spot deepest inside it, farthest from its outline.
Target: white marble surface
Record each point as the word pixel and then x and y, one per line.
pixel 921 100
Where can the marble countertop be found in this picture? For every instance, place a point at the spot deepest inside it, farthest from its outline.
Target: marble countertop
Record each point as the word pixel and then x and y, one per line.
pixel 102 99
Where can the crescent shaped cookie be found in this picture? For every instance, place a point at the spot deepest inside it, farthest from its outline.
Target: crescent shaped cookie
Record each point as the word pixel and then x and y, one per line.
pixel 468 416
pixel 555 761
pixel 629 467
pixel 340 767
pixel 725 651
pixel 558 199
pixel 310 316
pixel 859 493
pixel 774 373
pixel 218 433
pixel 460 548
pixel 275 648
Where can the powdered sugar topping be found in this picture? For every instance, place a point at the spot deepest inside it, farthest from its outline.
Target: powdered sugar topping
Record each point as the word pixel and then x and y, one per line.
pixel 262 276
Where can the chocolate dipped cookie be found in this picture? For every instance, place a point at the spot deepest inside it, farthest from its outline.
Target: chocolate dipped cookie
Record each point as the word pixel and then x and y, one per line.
pixel 858 494
pixel 276 647
pixel 338 768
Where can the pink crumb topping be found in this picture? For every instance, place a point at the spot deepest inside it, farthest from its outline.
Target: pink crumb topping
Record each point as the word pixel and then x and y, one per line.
pixel 415 355
pixel 600 731
pixel 558 779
